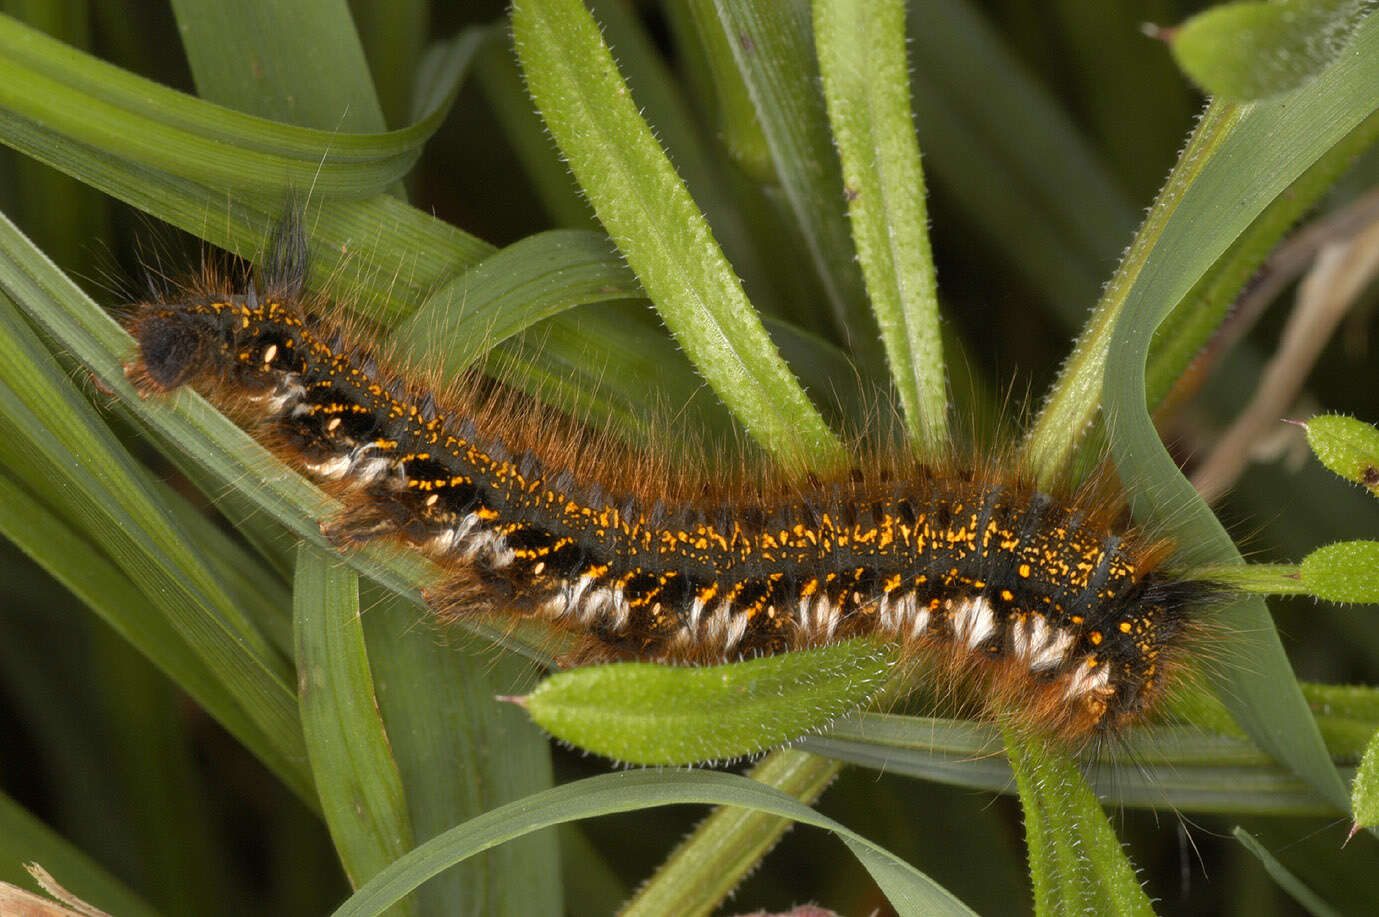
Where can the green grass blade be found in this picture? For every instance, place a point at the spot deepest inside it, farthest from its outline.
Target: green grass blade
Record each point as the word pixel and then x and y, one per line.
pixel 361 792
pixel 511 290
pixel 724 90
pixel 461 753
pixel 1307 123
pixel 698 157
pixel 58 89
pixel 1310 900
pixel 250 56
pixel 862 59
pixel 705 868
pixel 658 227
pixel 348 245
pixel 1255 160
pixel 1181 767
pixel 771 45
pixel 51 425
pixel 909 891
pixel 1186 330
pixel 394 35
pixel 1075 859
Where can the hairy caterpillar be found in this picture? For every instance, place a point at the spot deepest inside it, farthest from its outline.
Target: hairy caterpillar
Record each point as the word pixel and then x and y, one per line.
pixel 1036 601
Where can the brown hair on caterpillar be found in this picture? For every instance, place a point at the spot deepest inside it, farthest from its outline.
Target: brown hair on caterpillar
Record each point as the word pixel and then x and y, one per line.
pixel 1039 603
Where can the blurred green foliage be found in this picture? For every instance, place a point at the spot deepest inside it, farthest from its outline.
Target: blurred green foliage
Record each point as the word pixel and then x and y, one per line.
pixel 1046 130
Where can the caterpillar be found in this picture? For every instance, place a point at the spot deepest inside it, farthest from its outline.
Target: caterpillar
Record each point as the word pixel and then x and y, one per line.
pixel 1038 602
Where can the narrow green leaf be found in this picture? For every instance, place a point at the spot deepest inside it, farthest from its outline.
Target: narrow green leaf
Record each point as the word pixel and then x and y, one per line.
pixel 696 151
pixel 646 209
pixel 652 714
pixel 427 253
pixel 51 426
pixel 461 753
pixel 1076 861
pixel 736 118
pixel 1072 402
pixel 1347 446
pixel 1347 571
pixel 251 57
pixel 61 546
pixel 1186 330
pixel 909 891
pixel 706 866
pixel 516 287
pixel 55 88
pixel 394 35
pixel 862 59
pixel 1310 900
pixel 1247 51
pixel 1181 767
pixel 361 792
pixel 771 44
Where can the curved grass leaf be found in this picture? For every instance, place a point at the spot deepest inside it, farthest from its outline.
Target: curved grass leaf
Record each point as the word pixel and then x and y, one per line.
pixel 1264 150
pixel 63 91
pixel 1076 860
pixel 862 59
pixel 461 753
pixel 49 426
pixel 735 117
pixel 324 83
pixel 657 226
pixel 1310 900
pixel 706 866
pixel 652 714
pixel 771 45
pixel 909 890
pixel 1178 767
pixel 1241 52
pixel 378 256
pixel 1186 330
pixel 1077 395
pixel 361 792
pixel 513 289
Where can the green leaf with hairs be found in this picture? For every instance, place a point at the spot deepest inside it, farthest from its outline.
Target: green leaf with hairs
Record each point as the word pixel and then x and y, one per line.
pixel 1246 51
pixel 1347 571
pixel 653 714
pixel 1347 446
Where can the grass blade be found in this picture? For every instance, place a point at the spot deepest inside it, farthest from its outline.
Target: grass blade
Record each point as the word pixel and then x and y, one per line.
pixel 909 890
pixel 648 212
pixel 361 792
pixel 862 58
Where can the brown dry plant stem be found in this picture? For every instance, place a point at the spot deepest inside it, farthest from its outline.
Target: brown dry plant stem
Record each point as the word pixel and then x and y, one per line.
pixel 1343 269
